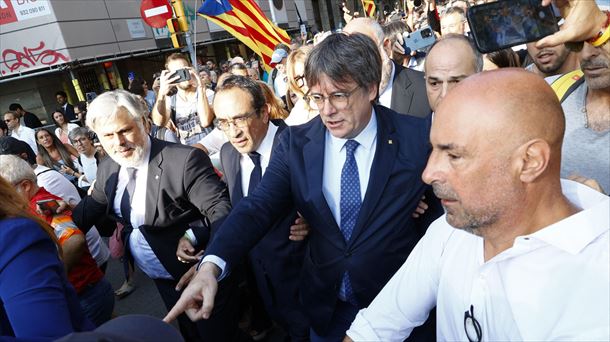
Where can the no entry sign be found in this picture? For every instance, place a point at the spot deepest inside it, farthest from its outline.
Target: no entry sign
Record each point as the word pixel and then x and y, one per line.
pixel 156 12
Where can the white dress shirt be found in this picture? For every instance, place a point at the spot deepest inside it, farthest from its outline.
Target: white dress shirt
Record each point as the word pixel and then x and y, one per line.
pixel 553 284
pixel 246 165
pixel 27 135
pixel 334 158
pixel 385 98
pixel 142 253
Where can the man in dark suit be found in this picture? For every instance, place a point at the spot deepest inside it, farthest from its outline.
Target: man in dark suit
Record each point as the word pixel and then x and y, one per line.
pixel 243 115
pixel 63 106
pixel 155 189
pixel 354 173
pixel 400 89
pixel 28 119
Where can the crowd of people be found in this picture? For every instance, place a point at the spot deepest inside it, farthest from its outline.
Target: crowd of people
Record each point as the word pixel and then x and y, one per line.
pixel 354 191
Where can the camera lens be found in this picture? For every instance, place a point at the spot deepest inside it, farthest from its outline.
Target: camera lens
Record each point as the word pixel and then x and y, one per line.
pixel 426 33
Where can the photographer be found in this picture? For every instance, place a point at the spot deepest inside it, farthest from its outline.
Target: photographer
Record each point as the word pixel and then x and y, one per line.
pixel 182 106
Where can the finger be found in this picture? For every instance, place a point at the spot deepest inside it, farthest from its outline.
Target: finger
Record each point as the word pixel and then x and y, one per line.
pixel 415 215
pixel 557 38
pixel 423 205
pixel 185 279
pixel 178 309
pixel 199 254
pixel 209 292
pixel 299 232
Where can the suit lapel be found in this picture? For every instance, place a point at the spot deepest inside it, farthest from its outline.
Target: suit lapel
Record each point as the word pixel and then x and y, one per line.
pixel 400 85
pixel 110 188
pixel 153 182
pixel 234 176
pixel 383 163
pixel 313 155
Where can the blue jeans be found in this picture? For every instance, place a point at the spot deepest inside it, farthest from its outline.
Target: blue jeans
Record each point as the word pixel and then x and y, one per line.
pixel 97 301
pixel 342 319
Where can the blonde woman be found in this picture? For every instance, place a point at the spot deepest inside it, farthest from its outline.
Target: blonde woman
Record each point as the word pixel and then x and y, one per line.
pixel 295 70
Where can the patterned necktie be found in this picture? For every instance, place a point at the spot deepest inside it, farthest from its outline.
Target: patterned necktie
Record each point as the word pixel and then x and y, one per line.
pixel 350 207
pixel 128 195
pixel 257 172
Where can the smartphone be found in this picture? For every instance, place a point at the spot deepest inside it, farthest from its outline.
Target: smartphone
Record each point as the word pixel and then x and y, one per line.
pixel 48 205
pixel 505 23
pixel 184 74
pixel 418 40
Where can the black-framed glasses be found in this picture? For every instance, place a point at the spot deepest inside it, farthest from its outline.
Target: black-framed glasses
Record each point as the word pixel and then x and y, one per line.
pixel 472 326
pixel 240 122
pixel 300 81
pixel 339 99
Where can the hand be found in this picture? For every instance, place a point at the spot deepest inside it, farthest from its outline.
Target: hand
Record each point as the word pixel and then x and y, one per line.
pixel 299 230
pixel 166 82
pixel 398 48
pixel 421 208
pixel 592 183
pixel 583 19
pixel 410 5
pixel 197 300
pixel 195 76
pixel 66 170
pixel 186 278
pixel 186 251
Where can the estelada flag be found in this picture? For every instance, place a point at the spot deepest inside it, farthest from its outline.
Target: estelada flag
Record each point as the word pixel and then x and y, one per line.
pixel 246 22
pixel 369 7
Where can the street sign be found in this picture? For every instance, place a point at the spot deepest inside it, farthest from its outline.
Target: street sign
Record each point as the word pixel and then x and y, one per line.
pixel 156 12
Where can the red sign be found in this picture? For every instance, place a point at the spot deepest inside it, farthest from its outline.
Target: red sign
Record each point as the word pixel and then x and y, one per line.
pixel 156 12
pixel 7 14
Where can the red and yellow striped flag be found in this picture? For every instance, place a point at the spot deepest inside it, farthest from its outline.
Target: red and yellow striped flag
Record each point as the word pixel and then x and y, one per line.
pixel 369 7
pixel 246 22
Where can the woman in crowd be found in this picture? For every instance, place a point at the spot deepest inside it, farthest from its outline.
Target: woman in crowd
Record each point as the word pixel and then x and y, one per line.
pixel 295 71
pixel 36 300
pixel 63 127
pixel 54 154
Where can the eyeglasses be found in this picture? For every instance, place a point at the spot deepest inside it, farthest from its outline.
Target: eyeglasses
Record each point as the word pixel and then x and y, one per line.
pixel 300 81
pixel 240 122
pixel 339 100
pixel 472 326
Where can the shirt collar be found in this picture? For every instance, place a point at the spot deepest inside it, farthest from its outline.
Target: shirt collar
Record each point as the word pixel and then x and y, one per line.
pixel 575 232
pixel 366 138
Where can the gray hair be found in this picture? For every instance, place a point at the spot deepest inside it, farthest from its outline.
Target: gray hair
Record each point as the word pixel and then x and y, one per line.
pixel 15 169
pixel 80 132
pixel 345 58
pixel 478 57
pixel 107 105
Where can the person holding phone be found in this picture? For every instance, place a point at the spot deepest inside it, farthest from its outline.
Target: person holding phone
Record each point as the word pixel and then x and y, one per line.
pixel 182 103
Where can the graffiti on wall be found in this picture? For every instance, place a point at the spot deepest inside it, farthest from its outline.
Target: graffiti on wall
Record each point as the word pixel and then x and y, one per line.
pixel 30 57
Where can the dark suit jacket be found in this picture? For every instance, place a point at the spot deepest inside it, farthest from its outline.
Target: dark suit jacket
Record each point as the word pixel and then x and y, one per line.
pixel 276 261
pixel 385 232
pixel 69 112
pixel 409 92
pixel 182 187
pixel 31 120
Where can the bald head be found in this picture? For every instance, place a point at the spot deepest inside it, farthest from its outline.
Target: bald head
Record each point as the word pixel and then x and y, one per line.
pixel 366 26
pixel 496 141
pixel 505 112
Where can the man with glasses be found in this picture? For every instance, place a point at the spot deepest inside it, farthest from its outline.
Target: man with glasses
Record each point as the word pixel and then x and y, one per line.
pixel 520 254
pixel 275 262
pixel 19 131
pixel 353 173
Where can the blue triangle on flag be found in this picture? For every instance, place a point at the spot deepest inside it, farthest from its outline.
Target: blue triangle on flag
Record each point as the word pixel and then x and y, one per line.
pixel 215 7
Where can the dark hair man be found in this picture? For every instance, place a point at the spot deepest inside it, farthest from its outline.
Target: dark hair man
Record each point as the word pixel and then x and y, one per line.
pixel 520 253
pixel 551 61
pixel 19 131
pixel 67 109
pixel 182 105
pixel 353 172
pixel 155 189
pixel 28 119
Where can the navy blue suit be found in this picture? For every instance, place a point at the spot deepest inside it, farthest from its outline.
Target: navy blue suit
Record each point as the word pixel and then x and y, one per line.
pixel 385 232
pixel 276 261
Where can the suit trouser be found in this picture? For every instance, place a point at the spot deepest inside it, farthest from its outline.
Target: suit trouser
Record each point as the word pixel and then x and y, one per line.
pixel 222 324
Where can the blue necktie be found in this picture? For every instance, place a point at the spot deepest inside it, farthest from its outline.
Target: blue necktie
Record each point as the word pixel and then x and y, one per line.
pixel 257 172
pixel 128 195
pixel 350 207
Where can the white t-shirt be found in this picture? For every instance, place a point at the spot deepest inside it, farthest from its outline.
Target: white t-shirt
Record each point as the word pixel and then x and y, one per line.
pixel 551 285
